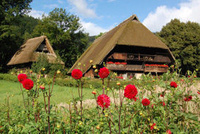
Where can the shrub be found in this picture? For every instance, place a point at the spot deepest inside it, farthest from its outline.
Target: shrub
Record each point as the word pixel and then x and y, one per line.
pixel 42 62
pixel 8 77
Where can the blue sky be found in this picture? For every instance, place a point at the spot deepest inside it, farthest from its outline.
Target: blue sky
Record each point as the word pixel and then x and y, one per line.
pixel 102 15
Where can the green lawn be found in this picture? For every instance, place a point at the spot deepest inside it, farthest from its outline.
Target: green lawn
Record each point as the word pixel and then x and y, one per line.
pixel 60 94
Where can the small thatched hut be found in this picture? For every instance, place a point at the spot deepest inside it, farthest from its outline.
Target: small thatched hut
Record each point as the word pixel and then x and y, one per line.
pixel 127 49
pixel 30 51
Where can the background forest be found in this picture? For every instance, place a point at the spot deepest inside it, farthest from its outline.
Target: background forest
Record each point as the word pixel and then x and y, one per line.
pixel 69 40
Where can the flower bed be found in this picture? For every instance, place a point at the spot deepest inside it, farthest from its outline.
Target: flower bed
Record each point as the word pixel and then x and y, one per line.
pixel 137 107
pixel 156 68
pixel 156 65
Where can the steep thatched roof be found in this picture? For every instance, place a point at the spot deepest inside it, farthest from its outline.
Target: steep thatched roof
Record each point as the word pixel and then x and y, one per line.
pixel 130 32
pixel 28 51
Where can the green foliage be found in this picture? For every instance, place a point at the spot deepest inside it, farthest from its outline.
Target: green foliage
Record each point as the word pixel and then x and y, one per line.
pixel 41 63
pixel 8 77
pixel 43 66
pixel 27 24
pixel 55 67
pixel 91 39
pixel 14 28
pixel 183 41
pixel 63 31
pixel 100 34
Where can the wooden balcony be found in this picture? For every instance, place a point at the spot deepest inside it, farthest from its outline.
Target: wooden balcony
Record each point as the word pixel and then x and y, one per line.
pixel 142 68
pixel 139 57
pixel 121 67
pixel 157 69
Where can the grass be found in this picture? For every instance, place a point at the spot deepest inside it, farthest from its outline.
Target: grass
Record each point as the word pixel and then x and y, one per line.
pixel 60 94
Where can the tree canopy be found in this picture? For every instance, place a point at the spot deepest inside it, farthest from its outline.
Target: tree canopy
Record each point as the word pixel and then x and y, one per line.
pixel 65 34
pixel 11 28
pixel 183 39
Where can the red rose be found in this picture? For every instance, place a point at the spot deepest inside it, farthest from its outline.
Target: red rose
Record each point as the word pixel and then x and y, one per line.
pixel 77 74
pixel 103 101
pixel 163 103
pixel 130 91
pixel 173 84
pixel 145 102
pixel 168 131
pixel 21 77
pixel 152 126
pixel 103 72
pixel 28 84
pixel 198 92
pixel 188 98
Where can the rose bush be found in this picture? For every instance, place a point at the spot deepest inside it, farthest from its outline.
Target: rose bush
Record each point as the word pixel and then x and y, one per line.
pixel 171 107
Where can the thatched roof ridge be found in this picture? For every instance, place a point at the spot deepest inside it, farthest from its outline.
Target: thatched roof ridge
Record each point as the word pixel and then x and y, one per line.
pixel 130 32
pixel 27 52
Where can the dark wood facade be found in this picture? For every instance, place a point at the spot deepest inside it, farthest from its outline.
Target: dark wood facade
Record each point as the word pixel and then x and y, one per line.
pixel 138 59
pixel 130 60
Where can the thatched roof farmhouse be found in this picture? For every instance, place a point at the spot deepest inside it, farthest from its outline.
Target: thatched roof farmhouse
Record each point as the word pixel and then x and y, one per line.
pixel 31 49
pixel 127 49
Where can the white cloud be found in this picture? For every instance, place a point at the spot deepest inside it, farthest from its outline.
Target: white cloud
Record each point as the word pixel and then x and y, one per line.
pixel 51 6
pixel 81 7
pixel 36 14
pixel 187 11
pixel 60 1
pixel 92 28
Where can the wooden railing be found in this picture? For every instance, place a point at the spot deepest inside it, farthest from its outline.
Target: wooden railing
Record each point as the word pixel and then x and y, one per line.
pixel 139 57
pixel 121 67
pixel 143 68
pixel 155 69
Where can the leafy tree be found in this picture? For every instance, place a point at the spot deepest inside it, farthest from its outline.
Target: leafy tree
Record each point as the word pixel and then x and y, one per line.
pixel 27 24
pixel 92 38
pixel 11 11
pixel 100 34
pixel 183 39
pixel 65 34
